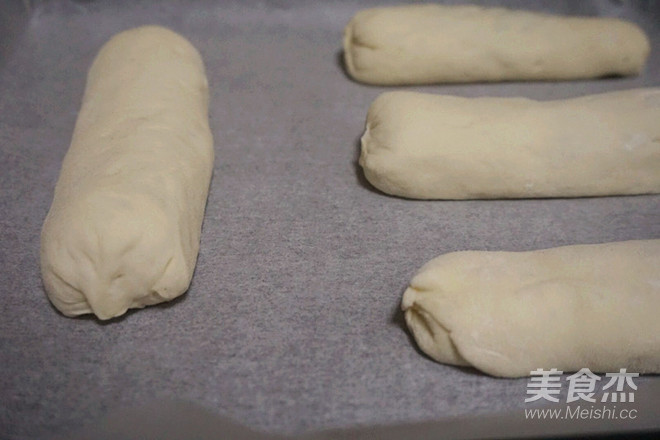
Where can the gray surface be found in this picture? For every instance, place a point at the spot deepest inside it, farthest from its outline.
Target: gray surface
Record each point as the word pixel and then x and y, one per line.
pixel 171 419
pixel 291 323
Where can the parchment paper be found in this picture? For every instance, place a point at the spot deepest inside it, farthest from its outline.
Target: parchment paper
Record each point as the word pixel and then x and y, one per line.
pixel 292 322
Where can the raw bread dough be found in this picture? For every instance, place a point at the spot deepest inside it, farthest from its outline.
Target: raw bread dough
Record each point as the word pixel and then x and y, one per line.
pixel 420 44
pixel 446 147
pixel 572 307
pixel 124 227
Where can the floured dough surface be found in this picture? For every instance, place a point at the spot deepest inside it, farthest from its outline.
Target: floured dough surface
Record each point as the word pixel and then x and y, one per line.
pixel 572 307
pixel 427 146
pixel 124 227
pixel 420 44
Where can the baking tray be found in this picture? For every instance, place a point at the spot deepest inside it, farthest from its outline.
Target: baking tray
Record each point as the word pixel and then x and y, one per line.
pixel 292 323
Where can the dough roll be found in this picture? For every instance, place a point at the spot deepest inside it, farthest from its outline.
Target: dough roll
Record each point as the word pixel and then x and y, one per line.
pixel 426 146
pixel 422 44
pixel 572 307
pixel 124 227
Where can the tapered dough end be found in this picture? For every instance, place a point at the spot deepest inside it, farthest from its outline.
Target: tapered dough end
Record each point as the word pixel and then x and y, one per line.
pixel 644 49
pixel 635 47
pixel 432 314
pixel 351 47
pixel 432 337
pixel 440 342
pixel 378 147
pixel 348 50
pixel 363 59
pixel 148 35
pixel 109 253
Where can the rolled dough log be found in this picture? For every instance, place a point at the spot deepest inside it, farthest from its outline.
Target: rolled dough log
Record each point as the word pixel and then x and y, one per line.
pixel 426 146
pixel 420 44
pixel 124 227
pixel 572 307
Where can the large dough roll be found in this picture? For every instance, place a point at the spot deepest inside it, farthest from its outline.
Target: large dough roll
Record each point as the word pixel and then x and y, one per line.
pixel 508 313
pixel 446 147
pixel 421 44
pixel 124 227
